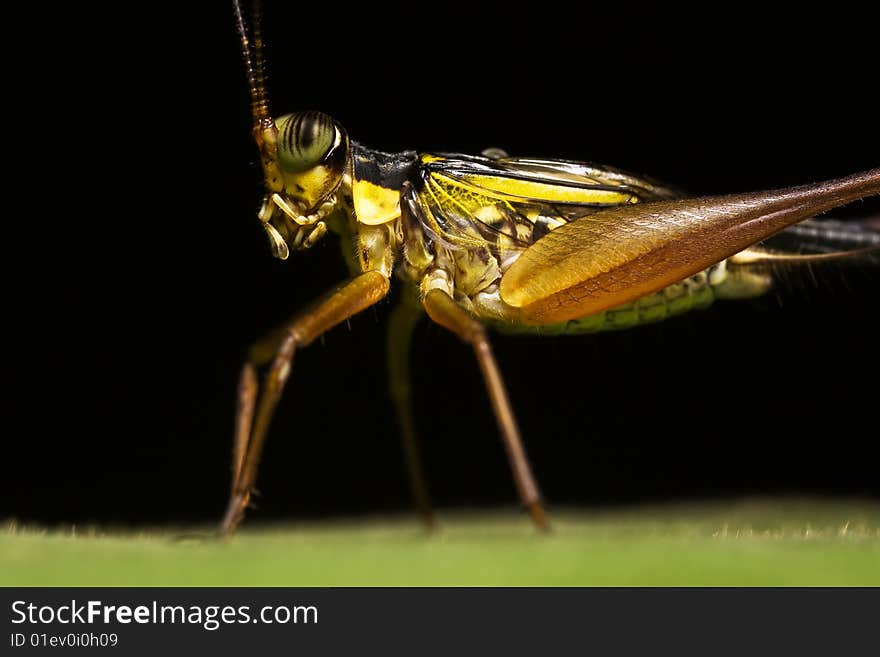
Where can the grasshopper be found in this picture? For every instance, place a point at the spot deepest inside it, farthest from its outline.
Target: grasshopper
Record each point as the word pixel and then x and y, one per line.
pixel 517 245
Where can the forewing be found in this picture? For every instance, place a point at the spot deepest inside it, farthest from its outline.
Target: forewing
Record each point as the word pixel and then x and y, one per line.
pixel 510 203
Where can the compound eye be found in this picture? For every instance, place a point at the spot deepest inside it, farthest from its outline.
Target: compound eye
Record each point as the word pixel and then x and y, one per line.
pixel 307 139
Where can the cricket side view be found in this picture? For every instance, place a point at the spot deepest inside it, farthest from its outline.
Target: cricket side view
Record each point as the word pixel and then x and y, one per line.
pixel 511 244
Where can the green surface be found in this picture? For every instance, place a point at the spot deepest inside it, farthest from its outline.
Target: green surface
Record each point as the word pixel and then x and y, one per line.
pixel 743 543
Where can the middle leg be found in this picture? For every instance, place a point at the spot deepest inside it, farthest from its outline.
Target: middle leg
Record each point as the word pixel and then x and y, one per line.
pixel 403 321
pixel 442 309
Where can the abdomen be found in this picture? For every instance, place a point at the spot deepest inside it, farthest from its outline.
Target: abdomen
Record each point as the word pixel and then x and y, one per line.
pixel 691 294
pixel 694 293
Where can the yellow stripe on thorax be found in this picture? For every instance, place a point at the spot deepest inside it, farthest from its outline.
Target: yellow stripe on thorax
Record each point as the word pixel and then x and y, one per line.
pixel 374 204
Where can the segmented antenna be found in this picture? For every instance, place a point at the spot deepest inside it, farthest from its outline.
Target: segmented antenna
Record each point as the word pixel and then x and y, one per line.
pixel 253 61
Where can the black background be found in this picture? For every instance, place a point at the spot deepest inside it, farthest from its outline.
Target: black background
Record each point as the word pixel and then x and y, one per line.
pixel 140 274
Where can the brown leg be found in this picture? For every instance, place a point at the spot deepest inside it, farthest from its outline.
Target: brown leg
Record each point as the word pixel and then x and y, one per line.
pixel 400 328
pixel 443 310
pixel 244 417
pixel 260 353
pixel 348 300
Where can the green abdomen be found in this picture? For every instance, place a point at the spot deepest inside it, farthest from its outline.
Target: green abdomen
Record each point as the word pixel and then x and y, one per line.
pixel 693 293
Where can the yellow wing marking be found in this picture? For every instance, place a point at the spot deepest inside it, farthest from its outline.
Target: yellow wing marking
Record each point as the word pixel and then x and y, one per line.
pixel 502 187
pixel 458 206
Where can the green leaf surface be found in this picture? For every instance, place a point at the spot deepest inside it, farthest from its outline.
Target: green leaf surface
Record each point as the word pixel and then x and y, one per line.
pixel 775 542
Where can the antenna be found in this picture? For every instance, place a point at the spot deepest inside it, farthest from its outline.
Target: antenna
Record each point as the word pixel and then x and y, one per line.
pixel 253 62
